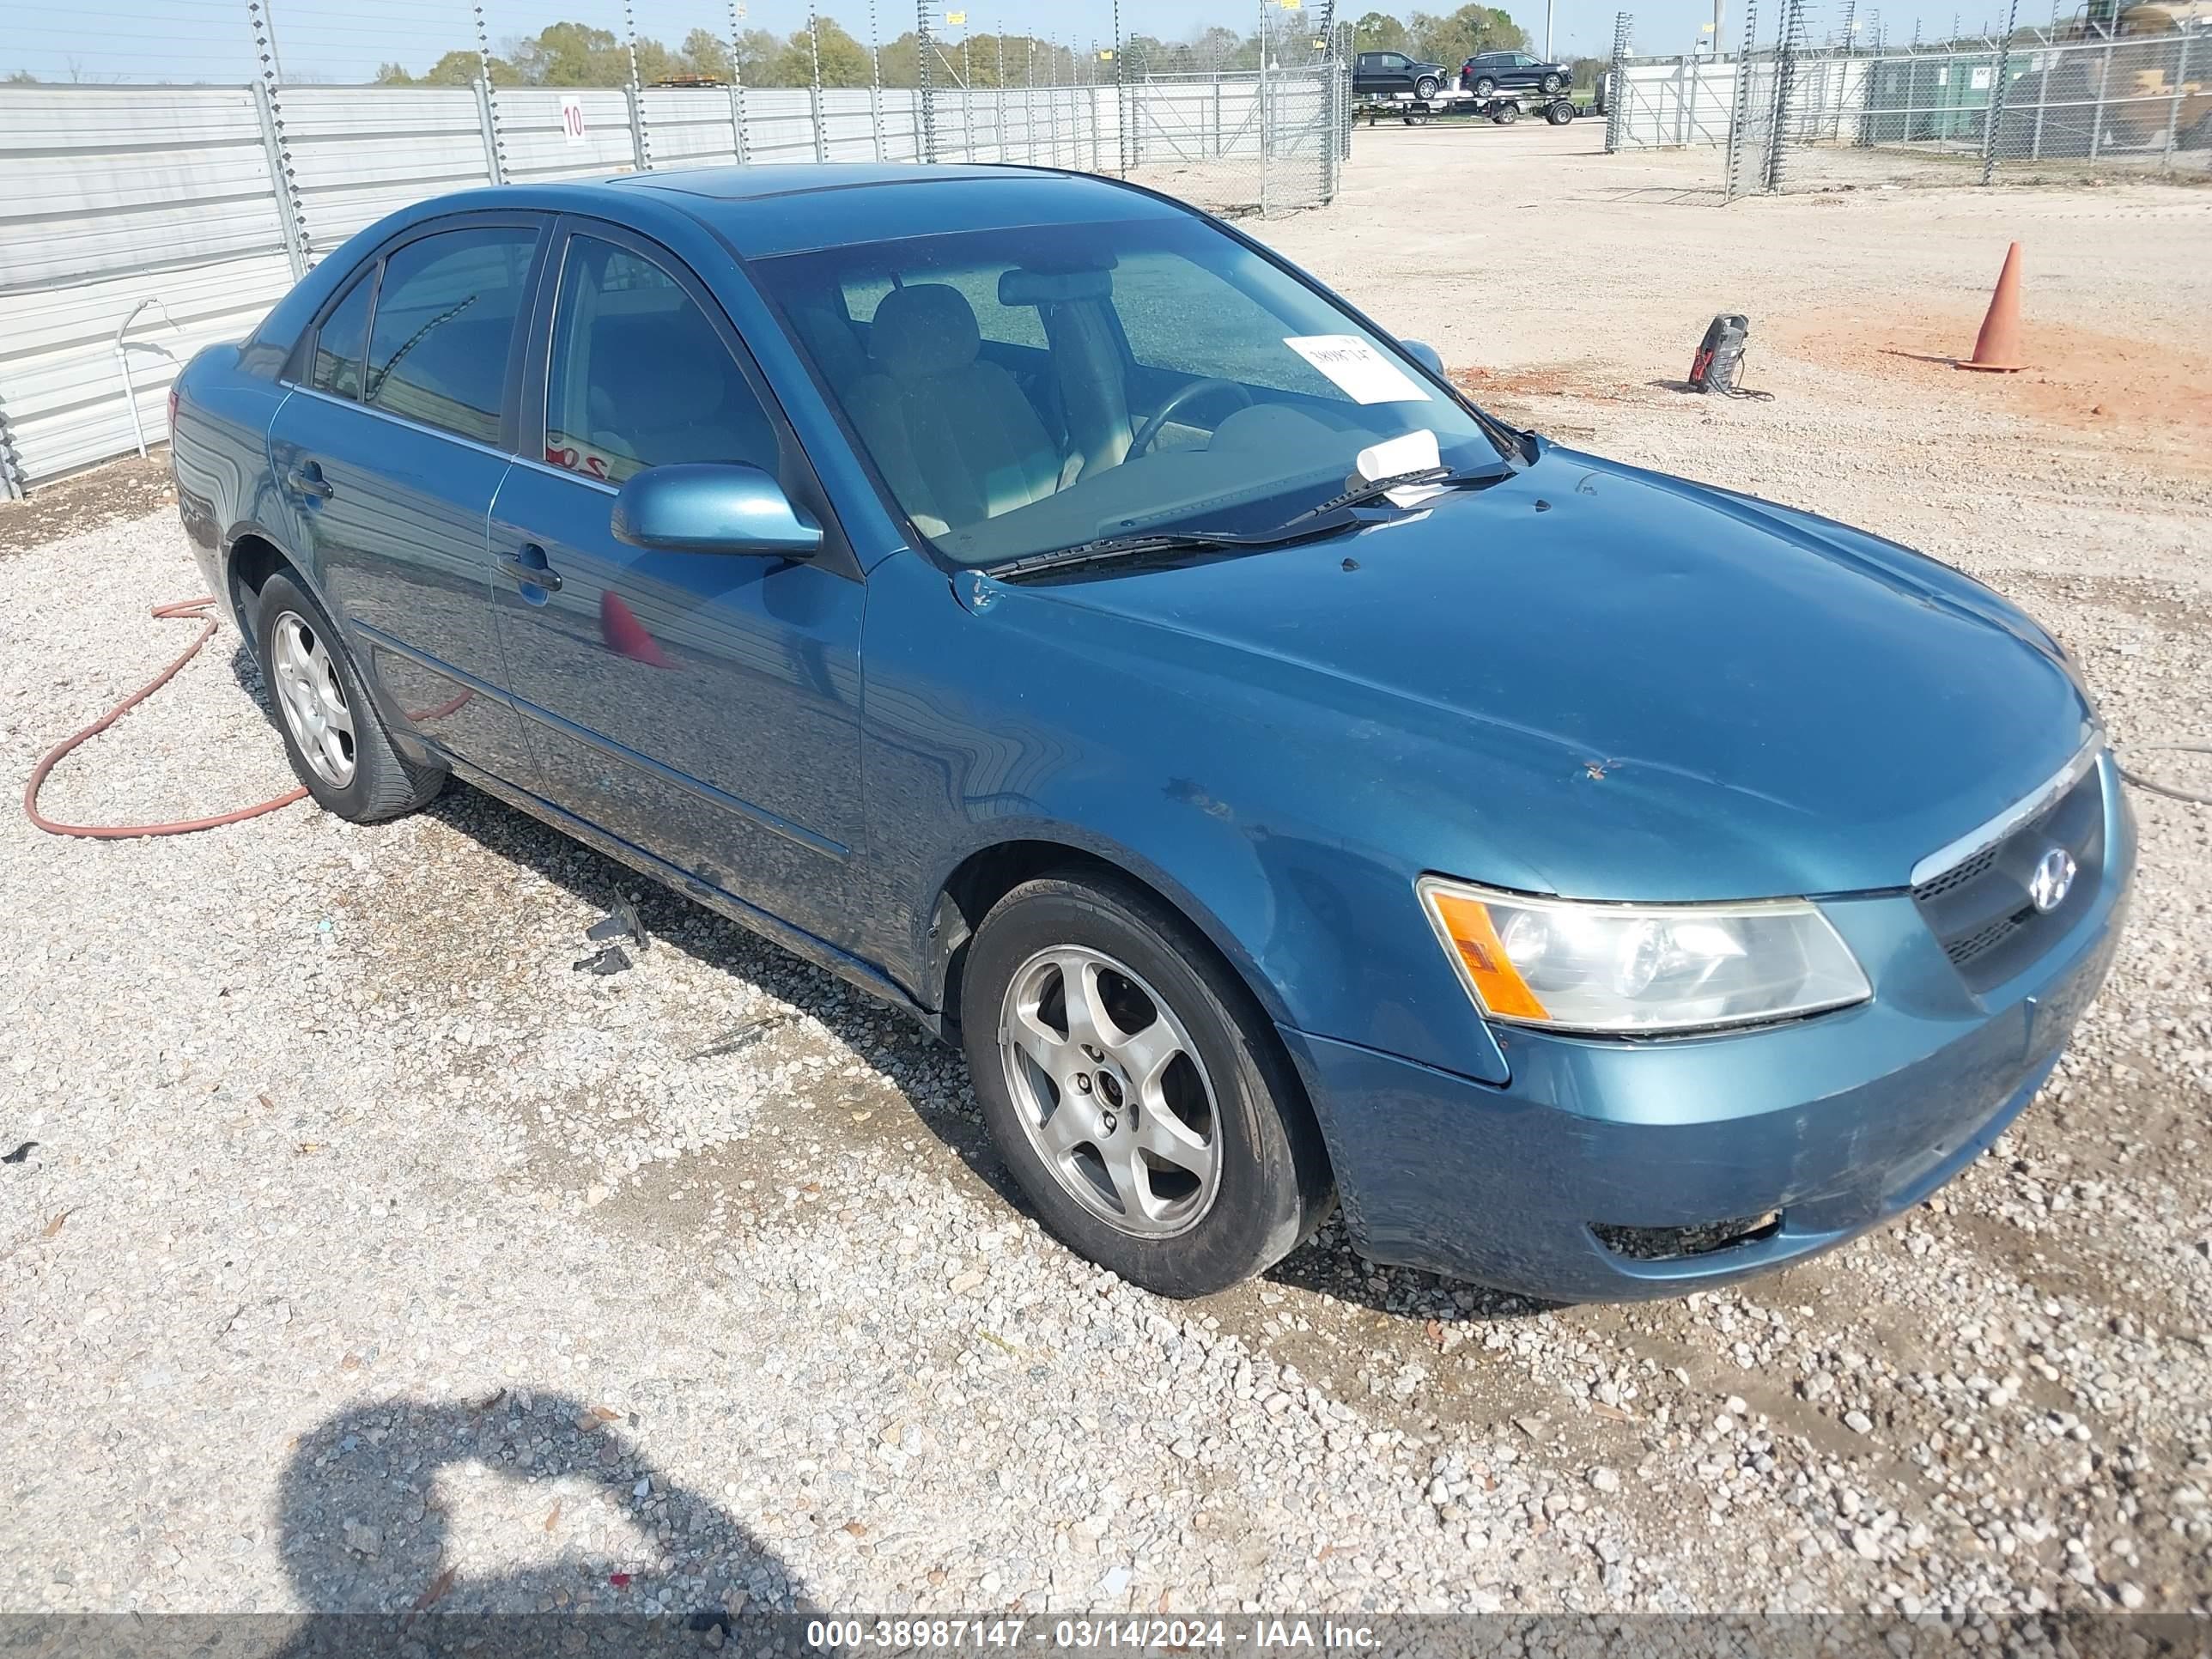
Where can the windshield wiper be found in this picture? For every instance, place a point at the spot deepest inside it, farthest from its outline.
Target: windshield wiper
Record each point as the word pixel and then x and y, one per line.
pixel 1443 477
pixel 1112 549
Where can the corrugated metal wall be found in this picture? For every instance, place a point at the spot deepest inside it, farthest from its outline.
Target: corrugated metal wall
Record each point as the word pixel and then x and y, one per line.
pixel 114 196
pixel 195 207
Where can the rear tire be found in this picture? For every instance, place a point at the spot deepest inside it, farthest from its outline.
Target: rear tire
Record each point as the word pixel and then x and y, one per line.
pixel 1508 113
pixel 1135 1091
pixel 1483 87
pixel 1560 114
pixel 333 735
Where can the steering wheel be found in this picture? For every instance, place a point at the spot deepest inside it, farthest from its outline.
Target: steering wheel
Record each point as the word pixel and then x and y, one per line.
pixel 1181 395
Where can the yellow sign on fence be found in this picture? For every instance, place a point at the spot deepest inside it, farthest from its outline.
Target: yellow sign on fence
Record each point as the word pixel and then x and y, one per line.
pixel 956 18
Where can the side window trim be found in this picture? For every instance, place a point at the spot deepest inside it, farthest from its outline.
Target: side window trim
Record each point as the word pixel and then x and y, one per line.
pixel 794 472
pixel 299 371
pixel 298 368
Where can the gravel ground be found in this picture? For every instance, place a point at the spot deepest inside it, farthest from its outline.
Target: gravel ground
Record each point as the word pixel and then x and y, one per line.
pixel 367 1252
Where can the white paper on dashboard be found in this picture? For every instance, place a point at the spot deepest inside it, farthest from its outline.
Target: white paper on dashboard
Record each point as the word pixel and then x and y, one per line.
pixel 1363 374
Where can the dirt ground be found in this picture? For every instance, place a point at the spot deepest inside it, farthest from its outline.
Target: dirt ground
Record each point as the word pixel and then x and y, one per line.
pixel 760 1220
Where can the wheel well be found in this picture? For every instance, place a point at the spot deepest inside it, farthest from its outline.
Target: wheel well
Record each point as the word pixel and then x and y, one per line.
pixel 253 561
pixel 986 877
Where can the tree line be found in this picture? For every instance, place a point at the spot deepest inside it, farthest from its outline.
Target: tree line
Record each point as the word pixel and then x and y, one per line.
pixel 570 54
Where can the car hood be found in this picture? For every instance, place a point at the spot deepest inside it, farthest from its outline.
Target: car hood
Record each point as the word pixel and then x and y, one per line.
pixel 1598 680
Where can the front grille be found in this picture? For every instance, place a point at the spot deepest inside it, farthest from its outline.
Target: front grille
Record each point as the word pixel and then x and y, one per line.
pixel 1980 908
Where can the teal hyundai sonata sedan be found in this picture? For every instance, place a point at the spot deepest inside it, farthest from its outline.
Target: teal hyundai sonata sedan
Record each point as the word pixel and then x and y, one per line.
pixel 1040 605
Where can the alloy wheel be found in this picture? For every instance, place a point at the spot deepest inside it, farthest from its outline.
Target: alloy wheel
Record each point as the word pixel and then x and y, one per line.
pixel 1110 1092
pixel 312 697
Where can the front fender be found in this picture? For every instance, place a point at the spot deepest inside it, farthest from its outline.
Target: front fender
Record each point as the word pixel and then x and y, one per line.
pixel 982 729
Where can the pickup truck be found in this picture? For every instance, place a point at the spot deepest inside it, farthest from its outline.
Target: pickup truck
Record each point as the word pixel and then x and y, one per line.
pixel 1384 73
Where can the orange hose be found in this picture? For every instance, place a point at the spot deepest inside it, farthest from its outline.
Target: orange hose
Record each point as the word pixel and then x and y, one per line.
pixel 194 610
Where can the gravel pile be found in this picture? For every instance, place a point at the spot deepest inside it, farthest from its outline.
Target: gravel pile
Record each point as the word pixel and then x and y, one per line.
pixel 368 1251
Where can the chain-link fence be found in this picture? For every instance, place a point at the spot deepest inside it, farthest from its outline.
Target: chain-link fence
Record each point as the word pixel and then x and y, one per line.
pixel 2021 106
pixel 145 221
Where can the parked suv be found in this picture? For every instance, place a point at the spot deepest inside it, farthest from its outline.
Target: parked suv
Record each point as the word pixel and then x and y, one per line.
pixel 1379 73
pixel 1489 72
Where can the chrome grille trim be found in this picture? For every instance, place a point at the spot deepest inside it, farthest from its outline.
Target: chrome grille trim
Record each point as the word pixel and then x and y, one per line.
pixel 1951 855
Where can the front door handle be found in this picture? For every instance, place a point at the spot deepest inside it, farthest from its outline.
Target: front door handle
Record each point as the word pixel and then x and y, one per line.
pixel 307 479
pixel 527 565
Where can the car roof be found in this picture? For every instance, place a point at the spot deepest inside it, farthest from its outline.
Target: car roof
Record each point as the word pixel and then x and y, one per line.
pixel 763 210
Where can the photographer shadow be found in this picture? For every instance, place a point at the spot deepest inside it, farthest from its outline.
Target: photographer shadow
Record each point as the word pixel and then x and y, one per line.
pixel 370 1503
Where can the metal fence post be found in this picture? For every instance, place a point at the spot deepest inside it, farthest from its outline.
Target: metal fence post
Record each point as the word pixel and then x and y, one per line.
pixel 2173 110
pixel 1329 100
pixel 1121 95
pixel 1618 93
pixel 738 86
pixel 488 104
pixel 999 112
pixel 1993 122
pixel 1052 102
pixel 2051 56
pixel 925 43
pixel 2104 88
pixel 288 215
pixel 1739 113
pixel 641 141
pixel 1788 39
pixel 875 81
pixel 1266 121
pixel 270 110
pixel 12 487
pixel 490 132
pixel 814 89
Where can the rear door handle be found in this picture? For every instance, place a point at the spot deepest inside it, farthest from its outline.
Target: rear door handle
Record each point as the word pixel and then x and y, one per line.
pixel 307 479
pixel 528 566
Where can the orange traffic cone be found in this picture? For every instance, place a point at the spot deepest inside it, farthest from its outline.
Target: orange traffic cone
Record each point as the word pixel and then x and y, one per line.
pixel 622 630
pixel 1996 347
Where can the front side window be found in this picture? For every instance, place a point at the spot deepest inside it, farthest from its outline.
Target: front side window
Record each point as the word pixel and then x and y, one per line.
pixel 1172 379
pixel 638 376
pixel 338 342
pixel 445 320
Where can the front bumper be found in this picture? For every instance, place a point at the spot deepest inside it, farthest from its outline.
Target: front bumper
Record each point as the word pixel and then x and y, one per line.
pixel 1836 1122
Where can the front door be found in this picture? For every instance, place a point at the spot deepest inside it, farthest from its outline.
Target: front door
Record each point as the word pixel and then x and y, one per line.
pixel 390 450
pixel 703 707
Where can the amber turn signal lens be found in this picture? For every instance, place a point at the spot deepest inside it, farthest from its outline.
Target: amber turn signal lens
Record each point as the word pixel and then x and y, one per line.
pixel 1467 923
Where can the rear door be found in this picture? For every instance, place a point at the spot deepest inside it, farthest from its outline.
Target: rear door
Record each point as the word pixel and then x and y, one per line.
pixel 704 708
pixel 390 450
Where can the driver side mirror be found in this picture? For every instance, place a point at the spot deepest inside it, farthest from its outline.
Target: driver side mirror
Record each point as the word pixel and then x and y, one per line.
pixel 712 508
pixel 1425 354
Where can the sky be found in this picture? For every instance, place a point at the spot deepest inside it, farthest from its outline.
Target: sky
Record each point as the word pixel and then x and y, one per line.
pixel 139 41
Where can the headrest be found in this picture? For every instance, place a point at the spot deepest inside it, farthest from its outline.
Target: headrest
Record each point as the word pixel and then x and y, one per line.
pixel 1020 287
pixel 925 328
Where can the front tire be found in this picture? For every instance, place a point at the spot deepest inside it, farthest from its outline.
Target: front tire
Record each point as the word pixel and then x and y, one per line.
pixel 1554 85
pixel 1427 87
pixel 333 735
pixel 1136 1092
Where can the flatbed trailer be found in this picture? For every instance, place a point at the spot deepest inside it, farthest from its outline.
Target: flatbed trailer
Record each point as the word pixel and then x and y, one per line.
pixel 1503 108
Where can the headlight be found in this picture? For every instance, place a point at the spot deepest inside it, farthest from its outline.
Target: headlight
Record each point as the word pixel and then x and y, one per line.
pixel 1632 970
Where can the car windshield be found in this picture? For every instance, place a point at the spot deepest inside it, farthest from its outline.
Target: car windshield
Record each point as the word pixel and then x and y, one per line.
pixel 1021 390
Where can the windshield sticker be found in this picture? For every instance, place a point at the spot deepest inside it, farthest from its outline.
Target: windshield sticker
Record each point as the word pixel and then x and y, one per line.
pixel 1363 374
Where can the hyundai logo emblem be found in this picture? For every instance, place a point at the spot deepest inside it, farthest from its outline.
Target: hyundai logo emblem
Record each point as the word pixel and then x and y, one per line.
pixel 2053 879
